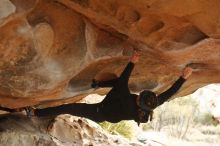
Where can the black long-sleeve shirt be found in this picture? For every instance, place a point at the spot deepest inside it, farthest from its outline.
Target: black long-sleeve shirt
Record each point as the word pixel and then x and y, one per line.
pixel 120 104
pixel 171 91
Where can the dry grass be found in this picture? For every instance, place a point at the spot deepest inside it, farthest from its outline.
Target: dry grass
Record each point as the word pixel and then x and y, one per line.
pixel 184 125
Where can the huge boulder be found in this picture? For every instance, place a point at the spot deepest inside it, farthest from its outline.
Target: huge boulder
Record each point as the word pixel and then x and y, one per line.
pixel 50 50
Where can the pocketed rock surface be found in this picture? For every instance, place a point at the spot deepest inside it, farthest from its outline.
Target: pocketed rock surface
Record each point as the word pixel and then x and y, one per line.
pixel 50 50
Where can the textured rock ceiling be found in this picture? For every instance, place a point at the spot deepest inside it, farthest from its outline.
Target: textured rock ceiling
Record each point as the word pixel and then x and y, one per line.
pixel 51 49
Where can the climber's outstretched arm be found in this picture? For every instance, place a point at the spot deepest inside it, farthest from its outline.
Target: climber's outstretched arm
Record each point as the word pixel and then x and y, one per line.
pixel 175 87
pixel 124 77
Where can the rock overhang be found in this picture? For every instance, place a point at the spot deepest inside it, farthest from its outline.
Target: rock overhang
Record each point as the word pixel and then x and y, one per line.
pixel 52 49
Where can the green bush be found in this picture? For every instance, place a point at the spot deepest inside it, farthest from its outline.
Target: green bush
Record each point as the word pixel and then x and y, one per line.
pixel 126 129
pixel 146 127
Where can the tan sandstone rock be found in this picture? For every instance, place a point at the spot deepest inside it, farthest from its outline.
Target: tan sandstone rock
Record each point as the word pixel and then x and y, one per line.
pixel 67 130
pixel 50 50
pixel 64 130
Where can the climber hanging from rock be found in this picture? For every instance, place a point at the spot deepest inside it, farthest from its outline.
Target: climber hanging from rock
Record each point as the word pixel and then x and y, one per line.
pixel 119 104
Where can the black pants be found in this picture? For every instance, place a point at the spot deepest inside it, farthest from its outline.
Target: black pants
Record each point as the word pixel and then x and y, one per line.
pixel 90 111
